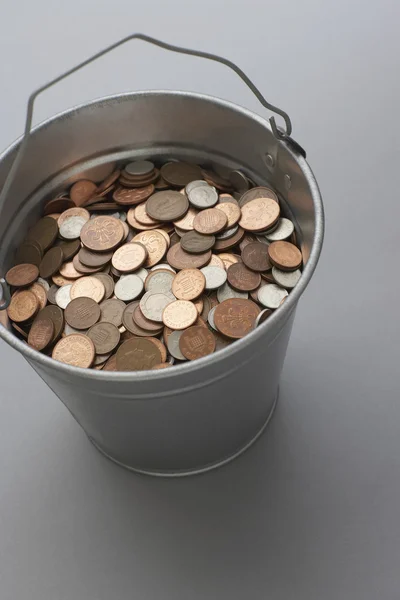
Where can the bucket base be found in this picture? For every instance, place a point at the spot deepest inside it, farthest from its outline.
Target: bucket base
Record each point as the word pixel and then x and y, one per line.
pixel 197 470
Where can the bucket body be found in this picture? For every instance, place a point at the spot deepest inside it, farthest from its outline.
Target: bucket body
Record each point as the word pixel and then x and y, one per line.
pixel 196 415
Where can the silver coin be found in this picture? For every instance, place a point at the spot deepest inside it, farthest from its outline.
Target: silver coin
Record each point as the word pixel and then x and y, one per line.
pixel 139 167
pixel 142 273
pixel 210 318
pixel 286 279
pixel 203 196
pixel 224 199
pixel 68 330
pixel 163 266
pixel 131 235
pixel 271 295
pixel 173 345
pixel 215 277
pixel 63 296
pixel 228 233
pixel 239 181
pixel 100 359
pixel 283 231
pixel 180 231
pixel 190 186
pixel 262 239
pixel 128 288
pixel 160 282
pixel 152 305
pixel 225 292
pixel 122 216
pixel 71 228
pixel 51 293
pixel 170 359
pixel 264 314
pixel 45 284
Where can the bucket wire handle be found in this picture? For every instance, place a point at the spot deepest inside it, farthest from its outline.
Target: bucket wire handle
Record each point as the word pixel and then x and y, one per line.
pixel 279 134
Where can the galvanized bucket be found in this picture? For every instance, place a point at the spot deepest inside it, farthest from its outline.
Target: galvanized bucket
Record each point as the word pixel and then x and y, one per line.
pixel 198 415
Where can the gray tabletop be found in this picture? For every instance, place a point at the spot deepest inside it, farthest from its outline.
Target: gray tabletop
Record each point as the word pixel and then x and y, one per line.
pixel 311 511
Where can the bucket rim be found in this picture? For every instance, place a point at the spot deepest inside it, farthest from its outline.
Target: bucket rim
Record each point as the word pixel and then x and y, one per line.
pixel 278 317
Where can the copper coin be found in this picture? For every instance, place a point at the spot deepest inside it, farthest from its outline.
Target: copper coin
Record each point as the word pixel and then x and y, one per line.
pixel 188 284
pixel 255 256
pixel 133 222
pixel 54 216
pixel 206 307
pixel 44 232
pixel 108 283
pixel 40 293
pixel 179 314
pixel 167 206
pixel 51 262
pixel 82 313
pixel 20 330
pixel 155 244
pixel 94 259
pixel 22 275
pixel 196 342
pixel 197 243
pixel 57 316
pixel 29 252
pixel 263 316
pixel 199 304
pixel 68 270
pixel 129 197
pixel 229 259
pixel 231 242
pixel 179 174
pixel 144 323
pixel 161 366
pixel 102 233
pixel 131 325
pixel 108 181
pixel 257 192
pixel 243 279
pixel 73 212
pixel 161 347
pixel 267 276
pixel 236 317
pixel 76 350
pixel 112 311
pixel 142 216
pixel 129 257
pixel 285 256
pixel 248 238
pixel 216 261
pixel 111 364
pixel 231 210
pixel 210 221
pixel 105 337
pixel 89 287
pixel 59 280
pixel 41 333
pixel 259 214
pixel 82 191
pixel 137 354
pixel 186 223
pixel 101 206
pixel 81 268
pixel 23 306
pixel 217 181
pixel 58 205
pixel 179 259
pixel 69 249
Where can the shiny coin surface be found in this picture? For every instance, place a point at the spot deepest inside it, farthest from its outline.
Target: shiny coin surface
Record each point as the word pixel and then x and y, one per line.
pixel 137 354
pixel 271 295
pixel 173 345
pixel 167 206
pixel 22 275
pixel 23 306
pixel 76 350
pixel 63 296
pixel 239 181
pixel 283 231
pixel 89 287
pixel 112 311
pixel 102 233
pixel 186 223
pixel 263 316
pixel 71 228
pixel 188 284
pixel 153 304
pixel 256 257
pixel 215 277
pixel 155 244
pixel 210 221
pixel 231 210
pixel 286 279
pixel 82 313
pixel 196 342
pixel 179 174
pixel 243 279
pixel 105 337
pixel 41 333
pixel 203 196
pixel 163 266
pixel 235 317
pixel 73 212
pixel 128 288
pixel 82 191
pixel 258 192
pixel 226 292
pixel 129 257
pixel 192 184
pixel 180 259
pixel 285 256
pixel 51 262
pixel 210 318
pixel 159 281
pixel 259 214
pixel 179 314
pixel 228 233
pixel 197 243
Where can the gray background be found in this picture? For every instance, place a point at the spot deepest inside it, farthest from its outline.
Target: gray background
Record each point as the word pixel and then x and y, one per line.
pixel 312 510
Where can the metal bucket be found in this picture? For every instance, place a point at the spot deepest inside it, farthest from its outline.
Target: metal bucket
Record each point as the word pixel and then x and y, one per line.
pixel 198 415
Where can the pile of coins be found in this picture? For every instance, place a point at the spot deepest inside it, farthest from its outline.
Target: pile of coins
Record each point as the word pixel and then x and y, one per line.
pixel 151 267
